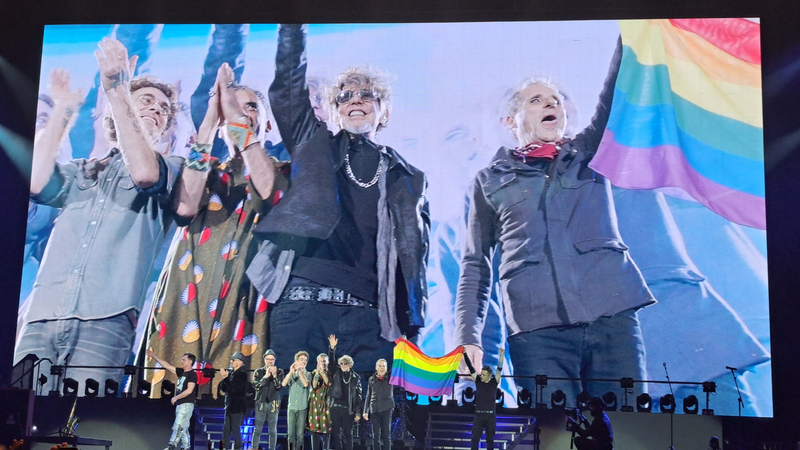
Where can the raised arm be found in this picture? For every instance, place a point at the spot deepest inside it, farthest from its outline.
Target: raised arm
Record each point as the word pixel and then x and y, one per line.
pixel 499 372
pixel 163 363
pixel 46 145
pixel 288 94
pixel 471 369
pixel 135 143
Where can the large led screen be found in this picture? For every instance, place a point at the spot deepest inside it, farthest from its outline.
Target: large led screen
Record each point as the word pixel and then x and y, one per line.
pixel 634 245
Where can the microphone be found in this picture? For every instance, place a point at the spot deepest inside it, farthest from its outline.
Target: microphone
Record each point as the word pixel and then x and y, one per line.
pixel 731 368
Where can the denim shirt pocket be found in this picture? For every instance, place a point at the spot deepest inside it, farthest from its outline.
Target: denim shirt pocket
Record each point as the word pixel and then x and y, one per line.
pixel 124 194
pixel 503 191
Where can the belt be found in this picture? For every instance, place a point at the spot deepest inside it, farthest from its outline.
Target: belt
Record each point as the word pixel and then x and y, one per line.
pixel 322 295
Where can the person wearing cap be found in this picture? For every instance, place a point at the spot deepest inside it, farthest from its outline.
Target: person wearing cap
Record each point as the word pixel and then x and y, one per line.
pixel 297 410
pixel 234 386
pixel 267 382
pixel 598 435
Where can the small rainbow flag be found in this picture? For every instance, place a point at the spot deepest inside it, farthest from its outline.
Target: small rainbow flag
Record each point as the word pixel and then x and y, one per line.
pixel 687 114
pixel 418 373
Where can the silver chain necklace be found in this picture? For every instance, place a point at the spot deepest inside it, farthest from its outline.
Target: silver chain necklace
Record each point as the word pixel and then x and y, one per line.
pixel 347 381
pixel 358 182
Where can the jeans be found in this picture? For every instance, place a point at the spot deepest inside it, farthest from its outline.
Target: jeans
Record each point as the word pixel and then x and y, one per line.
pixel 357 328
pixel 296 421
pixel 320 441
pixel 271 418
pixel 483 421
pixel 609 347
pixel 381 429
pixel 103 342
pixel 180 429
pixel 233 422
pixel 342 422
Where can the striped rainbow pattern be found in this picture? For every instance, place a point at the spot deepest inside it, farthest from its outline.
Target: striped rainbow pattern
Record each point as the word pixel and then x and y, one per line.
pixel 421 374
pixel 687 114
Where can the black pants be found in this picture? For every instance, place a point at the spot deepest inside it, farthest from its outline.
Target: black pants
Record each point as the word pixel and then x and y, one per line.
pixel 233 422
pixel 590 444
pixel 342 422
pixel 483 421
pixel 381 430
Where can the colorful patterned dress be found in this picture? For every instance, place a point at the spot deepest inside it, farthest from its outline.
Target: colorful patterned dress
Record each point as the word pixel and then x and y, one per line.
pixel 205 304
pixel 319 414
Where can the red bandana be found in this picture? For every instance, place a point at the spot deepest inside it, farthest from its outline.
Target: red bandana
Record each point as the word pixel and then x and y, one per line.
pixel 547 151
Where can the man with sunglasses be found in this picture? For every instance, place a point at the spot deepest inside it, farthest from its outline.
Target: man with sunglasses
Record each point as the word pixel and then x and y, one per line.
pixel 115 212
pixel 347 245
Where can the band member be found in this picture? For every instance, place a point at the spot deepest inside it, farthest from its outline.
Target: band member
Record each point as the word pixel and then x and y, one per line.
pixel 115 212
pixel 596 436
pixel 570 289
pixel 319 414
pixel 485 404
pixel 345 398
pixel 267 382
pixel 185 396
pixel 379 405
pixel 334 254
pixel 234 386
pixel 297 411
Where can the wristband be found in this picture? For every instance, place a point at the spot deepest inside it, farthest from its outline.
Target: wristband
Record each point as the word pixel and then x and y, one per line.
pixel 199 157
pixel 241 133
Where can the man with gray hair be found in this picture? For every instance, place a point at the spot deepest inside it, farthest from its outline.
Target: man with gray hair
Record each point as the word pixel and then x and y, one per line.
pixel 570 289
pixel 346 247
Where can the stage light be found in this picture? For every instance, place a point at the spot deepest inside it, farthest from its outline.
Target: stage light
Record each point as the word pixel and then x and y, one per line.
pixel 583 399
pixel 500 398
pixel 667 404
pixel 524 398
pixel 91 388
pixel 558 400
pixel 70 387
pixel 709 387
pixel 644 403
pixel 143 389
pixel 610 401
pixel 436 400
pixel 111 388
pixel 690 405
pixel 167 389
pixel 412 397
pixel 468 395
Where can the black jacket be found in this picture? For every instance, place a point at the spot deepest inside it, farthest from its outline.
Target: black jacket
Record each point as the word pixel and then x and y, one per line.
pixel 267 390
pixel 235 388
pixel 310 208
pixel 380 395
pixel 337 386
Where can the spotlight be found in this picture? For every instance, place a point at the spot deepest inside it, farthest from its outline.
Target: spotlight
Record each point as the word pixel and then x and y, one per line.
pixel 144 388
pixel 644 403
pixel 167 389
pixel 583 399
pixel 610 401
pixel 690 405
pixel 500 399
pixel 70 387
pixel 130 370
pixel 667 404
pixel 91 388
pixel 111 388
pixel 412 397
pixel 524 398
pixel 437 400
pixel 468 395
pixel 558 400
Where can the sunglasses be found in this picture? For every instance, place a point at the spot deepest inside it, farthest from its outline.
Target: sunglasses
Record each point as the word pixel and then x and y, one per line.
pixel 366 95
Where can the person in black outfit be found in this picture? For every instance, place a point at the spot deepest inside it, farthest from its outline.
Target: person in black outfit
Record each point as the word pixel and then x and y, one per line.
pixel 598 435
pixel 379 404
pixel 344 398
pixel 267 381
pixel 234 385
pixel 184 398
pixel 485 392
pixel 346 247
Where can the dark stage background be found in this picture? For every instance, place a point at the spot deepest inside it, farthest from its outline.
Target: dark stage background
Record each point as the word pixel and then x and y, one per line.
pixel 20 49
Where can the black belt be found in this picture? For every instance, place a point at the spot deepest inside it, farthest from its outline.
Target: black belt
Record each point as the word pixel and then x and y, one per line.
pixel 322 295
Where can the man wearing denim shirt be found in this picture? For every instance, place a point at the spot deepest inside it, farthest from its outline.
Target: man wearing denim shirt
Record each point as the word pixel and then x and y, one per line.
pixel 115 213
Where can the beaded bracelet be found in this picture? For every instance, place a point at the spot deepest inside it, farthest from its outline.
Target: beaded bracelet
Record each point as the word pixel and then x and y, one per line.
pixel 241 134
pixel 199 157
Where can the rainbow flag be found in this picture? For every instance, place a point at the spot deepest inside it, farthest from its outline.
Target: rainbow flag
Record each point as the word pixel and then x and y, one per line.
pixel 687 114
pixel 418 373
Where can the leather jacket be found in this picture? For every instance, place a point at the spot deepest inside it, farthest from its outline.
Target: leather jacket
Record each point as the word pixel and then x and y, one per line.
pixel 310 208
pixel 337 386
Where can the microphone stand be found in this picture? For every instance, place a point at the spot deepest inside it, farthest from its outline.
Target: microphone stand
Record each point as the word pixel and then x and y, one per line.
pixel 741 402
pixel 672 412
